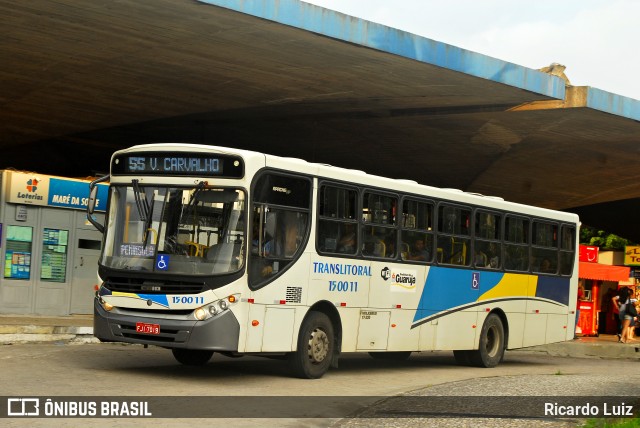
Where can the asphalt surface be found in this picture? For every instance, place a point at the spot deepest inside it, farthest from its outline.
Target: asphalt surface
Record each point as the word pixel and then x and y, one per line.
pixel 431 406
pixel 79 328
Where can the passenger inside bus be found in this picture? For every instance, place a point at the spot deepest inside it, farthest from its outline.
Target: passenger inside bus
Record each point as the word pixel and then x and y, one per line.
pixel 481 259
pixel 487 254
pixel 546 266
pixel 373 246
pixel 282 235
pixel 347 241
pixel 419 252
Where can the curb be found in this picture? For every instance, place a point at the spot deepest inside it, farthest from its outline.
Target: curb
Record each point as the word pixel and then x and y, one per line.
pixel 10 334
pixel 591 350
pixel 44 329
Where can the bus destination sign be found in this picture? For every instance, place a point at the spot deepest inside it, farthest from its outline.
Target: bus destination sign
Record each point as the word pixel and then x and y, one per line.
pixel 197 164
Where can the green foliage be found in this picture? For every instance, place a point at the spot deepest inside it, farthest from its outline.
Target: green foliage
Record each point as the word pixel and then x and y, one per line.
pixel 612 423
pixel 602 239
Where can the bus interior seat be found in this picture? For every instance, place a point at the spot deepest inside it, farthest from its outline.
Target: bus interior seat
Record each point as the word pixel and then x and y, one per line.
pixel 404 250
pixel 195 249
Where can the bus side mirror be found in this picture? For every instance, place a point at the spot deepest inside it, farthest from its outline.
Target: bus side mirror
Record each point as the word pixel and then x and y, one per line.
pixel 91 205
pixel 93 195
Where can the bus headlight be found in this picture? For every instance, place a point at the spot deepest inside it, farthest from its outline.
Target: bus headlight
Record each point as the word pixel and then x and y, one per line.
pixel 200 314
pixel 214 308
pixel 106 306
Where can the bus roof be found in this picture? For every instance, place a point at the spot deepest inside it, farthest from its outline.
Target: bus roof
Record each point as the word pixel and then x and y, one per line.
pixel 362 178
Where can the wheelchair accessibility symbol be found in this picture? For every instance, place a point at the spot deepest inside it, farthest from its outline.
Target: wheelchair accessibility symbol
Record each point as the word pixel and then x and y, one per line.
pixel 162 262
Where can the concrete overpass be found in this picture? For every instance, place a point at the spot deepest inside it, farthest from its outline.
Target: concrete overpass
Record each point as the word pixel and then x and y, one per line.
pixel 79 80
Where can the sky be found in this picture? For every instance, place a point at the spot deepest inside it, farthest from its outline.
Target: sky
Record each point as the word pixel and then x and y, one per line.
pixel 597 40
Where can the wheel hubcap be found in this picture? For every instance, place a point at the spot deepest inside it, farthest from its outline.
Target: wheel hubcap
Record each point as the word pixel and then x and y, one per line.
pixel 492 342
pixel 318 346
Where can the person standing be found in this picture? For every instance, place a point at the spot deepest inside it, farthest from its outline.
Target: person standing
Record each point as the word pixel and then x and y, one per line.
pixel 631 312
pixel 621 301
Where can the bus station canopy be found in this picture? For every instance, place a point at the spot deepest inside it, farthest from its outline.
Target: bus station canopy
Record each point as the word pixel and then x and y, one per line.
pixel 79 80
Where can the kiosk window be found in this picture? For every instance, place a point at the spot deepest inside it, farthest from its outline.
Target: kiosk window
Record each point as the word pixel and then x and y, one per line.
pixel 54 255
pixel 89 244
pixel 17 263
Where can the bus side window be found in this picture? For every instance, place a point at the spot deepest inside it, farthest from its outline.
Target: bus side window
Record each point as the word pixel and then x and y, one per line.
pixel 516 252
pixel 337 224
pixel 488 240
pixel 454 238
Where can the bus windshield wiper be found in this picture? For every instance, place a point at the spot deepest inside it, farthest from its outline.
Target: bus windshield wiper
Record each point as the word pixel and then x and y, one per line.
pixel 199 188
pixel 147 224
pixel 145 210
pixel 141 204
pixel 193 200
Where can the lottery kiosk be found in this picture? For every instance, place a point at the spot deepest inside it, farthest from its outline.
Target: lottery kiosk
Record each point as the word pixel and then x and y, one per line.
pixel 600 274
pixel 48 250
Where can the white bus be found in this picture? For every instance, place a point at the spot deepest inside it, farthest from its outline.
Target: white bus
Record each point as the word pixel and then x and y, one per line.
pixel 210 249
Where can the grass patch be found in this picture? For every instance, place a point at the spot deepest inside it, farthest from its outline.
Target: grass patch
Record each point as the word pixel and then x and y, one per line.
pixel 613 423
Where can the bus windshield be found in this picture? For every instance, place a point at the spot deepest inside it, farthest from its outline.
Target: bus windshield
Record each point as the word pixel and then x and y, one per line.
pixel 175 230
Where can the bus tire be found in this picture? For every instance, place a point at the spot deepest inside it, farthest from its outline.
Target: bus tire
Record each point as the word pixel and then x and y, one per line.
pixel 463 358
pixel 192 357
pixel 315 347
pixel 391 356
pixel 491 349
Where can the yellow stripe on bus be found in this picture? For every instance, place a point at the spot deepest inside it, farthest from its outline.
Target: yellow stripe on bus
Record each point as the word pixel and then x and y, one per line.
pixel 512 285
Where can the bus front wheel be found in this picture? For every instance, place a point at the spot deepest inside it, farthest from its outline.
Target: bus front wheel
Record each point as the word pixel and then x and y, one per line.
pixel 491 349
pixel 192 357
pixel 315 347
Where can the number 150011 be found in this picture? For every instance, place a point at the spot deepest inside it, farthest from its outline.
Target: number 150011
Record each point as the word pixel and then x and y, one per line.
pixel 350 286
pixel 188 300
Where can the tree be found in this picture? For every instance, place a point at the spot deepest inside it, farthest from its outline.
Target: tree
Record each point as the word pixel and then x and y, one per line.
pixel 600 238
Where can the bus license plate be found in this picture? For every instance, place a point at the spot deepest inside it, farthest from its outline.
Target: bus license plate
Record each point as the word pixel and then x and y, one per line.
pixel 143 327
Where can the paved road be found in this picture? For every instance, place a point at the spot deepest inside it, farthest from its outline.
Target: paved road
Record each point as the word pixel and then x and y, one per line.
pixel 116 369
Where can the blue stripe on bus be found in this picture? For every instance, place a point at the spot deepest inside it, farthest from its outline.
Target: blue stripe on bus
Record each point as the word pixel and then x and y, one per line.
pixel 160 299
pixel 553 288
pixel 447 288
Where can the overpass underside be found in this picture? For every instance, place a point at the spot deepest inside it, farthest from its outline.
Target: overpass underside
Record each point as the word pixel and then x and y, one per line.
pixel 80 80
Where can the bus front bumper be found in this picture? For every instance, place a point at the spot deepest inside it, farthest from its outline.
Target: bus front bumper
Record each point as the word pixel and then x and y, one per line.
pixel 219 333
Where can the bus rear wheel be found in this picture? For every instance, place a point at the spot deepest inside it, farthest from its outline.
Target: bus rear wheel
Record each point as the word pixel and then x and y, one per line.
pixel 315 347
pixel 491 349
pixel 192 357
